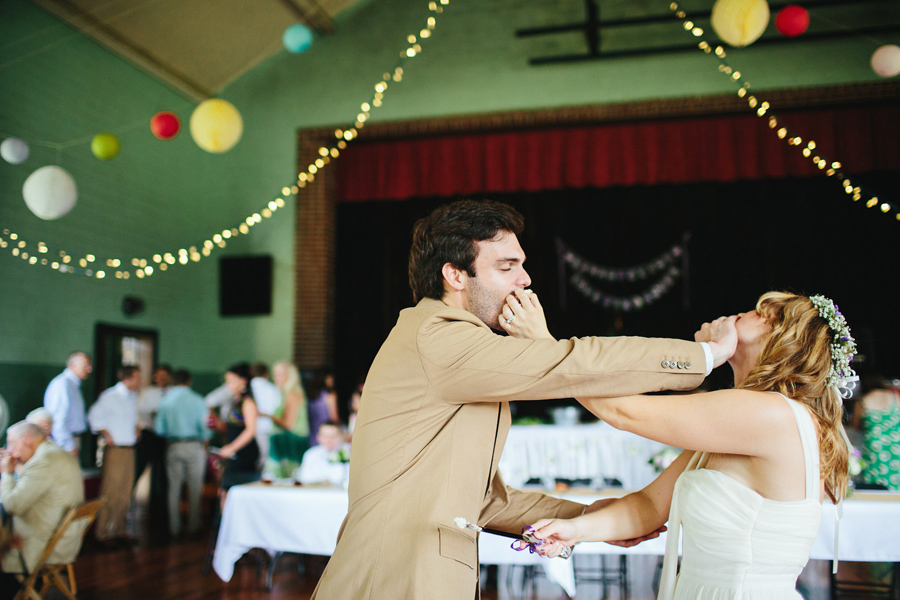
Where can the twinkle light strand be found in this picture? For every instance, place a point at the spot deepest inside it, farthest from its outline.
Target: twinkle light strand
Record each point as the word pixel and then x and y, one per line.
pixel 808 147
pixel 91 265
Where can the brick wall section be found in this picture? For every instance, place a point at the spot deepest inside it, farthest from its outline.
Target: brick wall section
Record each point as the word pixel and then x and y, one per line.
pixel 313 344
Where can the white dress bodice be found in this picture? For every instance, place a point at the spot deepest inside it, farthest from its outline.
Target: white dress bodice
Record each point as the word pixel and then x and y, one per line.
pixel 738 544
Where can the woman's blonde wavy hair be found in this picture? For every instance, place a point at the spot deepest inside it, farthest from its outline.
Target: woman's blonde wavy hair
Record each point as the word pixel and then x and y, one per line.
pixel 293 378
pixel 794 360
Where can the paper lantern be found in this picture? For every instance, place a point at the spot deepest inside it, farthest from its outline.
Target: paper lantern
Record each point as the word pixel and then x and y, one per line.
pixel 105 146
pixel 14 151
pixel 792 20
pixel 297 38
pixel 216 126
pixel 740 22
pixel 886 61
pixel 165 125
pixel 50 192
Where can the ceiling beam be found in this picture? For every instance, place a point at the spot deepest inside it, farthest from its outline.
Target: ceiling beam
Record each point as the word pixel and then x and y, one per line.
pixel 311 14
pixel 126 48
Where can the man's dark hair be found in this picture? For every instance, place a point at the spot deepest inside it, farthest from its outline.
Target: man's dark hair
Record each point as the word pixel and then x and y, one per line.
pixel 259 370
pixel 164 367
pixel 448 235
pixel 126 372
pixel 181 377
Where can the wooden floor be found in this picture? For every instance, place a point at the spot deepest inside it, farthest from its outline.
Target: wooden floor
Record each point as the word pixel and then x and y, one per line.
pixel 159 569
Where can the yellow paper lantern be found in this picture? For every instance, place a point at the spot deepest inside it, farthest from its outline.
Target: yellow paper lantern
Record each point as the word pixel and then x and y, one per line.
pixel 216 126
pixel 740 22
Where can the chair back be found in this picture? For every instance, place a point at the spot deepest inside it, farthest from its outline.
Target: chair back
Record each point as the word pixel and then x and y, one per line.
pixel 80 516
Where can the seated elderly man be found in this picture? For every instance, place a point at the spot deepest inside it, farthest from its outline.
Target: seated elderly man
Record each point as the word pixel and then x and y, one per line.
pixel 49 483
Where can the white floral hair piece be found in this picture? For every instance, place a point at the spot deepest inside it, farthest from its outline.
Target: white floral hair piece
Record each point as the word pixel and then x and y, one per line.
pixel 843 347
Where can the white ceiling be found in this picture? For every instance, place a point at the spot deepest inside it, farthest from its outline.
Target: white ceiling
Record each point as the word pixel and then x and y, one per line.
pixel 196 46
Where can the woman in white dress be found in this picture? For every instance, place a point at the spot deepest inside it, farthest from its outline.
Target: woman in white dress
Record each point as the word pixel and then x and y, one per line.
pixel 767 452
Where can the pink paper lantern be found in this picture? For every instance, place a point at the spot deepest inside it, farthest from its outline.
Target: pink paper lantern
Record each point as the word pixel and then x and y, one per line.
pixel 792 20
pixel 165 125
pixel 886 61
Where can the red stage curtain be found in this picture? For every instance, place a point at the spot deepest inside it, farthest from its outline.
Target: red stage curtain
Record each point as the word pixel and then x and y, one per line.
pixel 707 149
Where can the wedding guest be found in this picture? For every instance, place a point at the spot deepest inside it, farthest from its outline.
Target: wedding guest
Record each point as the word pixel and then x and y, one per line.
pixel 64 401
pixel 268 398
pixel 323 406
pixel 114 417
pixel 42 418
pixel 327 461
pixel 150 448
pixel 49 483
pixel 355 397
pixel 878 414
pixel 290 437
pixel 219 401
pixel 241 452
pixel 749 500
pixel 181 421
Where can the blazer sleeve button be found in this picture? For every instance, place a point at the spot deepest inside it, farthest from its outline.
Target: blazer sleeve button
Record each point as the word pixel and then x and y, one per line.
pixel 681 365
pixel 665 364
pixel 687 365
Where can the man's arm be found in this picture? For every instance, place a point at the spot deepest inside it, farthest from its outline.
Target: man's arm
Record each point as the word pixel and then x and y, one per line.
pixel 467 362
pixel 522 507
pixel 34 481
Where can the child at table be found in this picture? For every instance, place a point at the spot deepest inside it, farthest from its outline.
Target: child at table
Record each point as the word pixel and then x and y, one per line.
pixel 329 461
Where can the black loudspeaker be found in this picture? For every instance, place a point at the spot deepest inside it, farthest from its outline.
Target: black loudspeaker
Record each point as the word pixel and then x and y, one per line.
pixel 132 305
pixel 245 286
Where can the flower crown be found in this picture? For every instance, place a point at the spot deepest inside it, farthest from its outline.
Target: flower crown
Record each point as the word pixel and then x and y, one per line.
pixel 843 347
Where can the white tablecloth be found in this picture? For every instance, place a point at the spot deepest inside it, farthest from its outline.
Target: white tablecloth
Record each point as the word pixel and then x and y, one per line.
pixel 594 452
pixel 306 520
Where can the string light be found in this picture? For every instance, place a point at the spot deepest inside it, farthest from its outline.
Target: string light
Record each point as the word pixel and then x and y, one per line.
pixel 141 268
pixel 782 132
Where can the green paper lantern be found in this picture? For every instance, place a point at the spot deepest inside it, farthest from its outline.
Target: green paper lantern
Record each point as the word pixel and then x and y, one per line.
pixel 105 146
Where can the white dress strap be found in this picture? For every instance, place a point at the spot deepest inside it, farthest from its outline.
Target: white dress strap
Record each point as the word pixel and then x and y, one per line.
pixel 811 456
pixel 810 443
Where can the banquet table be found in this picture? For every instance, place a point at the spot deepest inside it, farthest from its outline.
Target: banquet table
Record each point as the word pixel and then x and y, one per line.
pixel 595 452
pixel 306 520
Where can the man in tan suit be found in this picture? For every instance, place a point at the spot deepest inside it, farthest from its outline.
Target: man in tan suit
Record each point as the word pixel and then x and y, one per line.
pixel 434 413
pixel 48 485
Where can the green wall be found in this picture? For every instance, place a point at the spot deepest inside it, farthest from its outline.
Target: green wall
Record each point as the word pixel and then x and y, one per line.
pixel 57 85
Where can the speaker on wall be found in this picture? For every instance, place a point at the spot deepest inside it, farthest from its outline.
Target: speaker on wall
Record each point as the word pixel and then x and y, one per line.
pixel 245 286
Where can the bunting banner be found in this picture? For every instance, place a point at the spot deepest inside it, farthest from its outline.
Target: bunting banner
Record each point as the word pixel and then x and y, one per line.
pixel 660 273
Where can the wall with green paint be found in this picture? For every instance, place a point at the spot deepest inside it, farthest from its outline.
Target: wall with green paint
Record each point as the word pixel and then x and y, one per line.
pixel 57 85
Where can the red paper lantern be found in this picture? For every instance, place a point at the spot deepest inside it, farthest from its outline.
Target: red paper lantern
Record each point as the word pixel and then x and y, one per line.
pixel 165 125
pixel 792 20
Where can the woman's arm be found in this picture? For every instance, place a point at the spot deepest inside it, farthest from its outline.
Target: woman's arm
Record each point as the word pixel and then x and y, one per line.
pixel 631 516
pixel 292 404
pixel 249 412
pixel 740 422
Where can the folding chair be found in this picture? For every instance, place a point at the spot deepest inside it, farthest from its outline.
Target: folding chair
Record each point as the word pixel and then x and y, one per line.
pixel 49 574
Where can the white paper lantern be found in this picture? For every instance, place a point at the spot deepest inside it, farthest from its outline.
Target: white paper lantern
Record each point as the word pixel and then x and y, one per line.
pixel 50 192
pixel 740 22
pixel 14 151
pixel 886 61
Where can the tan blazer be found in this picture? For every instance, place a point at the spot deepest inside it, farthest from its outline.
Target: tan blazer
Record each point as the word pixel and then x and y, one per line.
pixel 433 419
pixel 49 484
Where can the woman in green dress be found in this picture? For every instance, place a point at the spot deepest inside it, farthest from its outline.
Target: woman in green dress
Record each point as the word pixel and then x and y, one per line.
pixel 290 435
